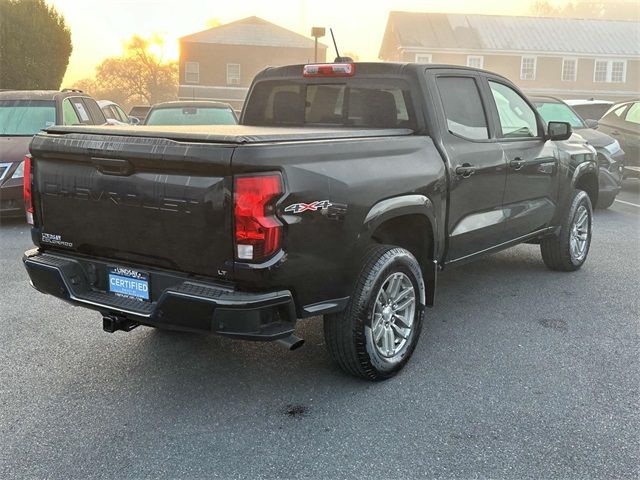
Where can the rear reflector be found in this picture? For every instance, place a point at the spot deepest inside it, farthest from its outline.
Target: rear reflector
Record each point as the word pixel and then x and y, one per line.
pixel 26 189
pixel 257 230
pixel 329 70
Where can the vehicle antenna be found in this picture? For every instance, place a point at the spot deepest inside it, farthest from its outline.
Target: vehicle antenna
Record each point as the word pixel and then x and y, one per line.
pixel 338 57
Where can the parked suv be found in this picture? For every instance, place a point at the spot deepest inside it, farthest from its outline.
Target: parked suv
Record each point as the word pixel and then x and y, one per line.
pixel 115 114
pixel 23 113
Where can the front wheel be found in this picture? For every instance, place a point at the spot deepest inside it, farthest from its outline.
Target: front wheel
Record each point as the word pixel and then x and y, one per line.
pixel 376 334
pixel 567 250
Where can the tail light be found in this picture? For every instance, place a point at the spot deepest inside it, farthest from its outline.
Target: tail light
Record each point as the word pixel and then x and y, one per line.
pixel 26 189
pixel 258 233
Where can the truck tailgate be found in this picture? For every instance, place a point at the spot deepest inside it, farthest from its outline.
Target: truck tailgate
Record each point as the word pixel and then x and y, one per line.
pixel 148 201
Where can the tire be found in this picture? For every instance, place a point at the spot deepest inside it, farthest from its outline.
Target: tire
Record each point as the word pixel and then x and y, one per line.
pixel 560 251
pixel 605 201
pixel 354 337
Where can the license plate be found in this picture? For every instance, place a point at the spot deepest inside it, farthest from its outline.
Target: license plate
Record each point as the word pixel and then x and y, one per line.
pixel 129 283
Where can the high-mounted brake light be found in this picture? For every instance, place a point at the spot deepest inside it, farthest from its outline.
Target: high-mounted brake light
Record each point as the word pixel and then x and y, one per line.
pixel 26 189
pixel 258 232
pixel 329 70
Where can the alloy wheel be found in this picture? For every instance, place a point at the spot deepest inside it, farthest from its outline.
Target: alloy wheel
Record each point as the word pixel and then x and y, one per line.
pixel 393 315
pixel 579 237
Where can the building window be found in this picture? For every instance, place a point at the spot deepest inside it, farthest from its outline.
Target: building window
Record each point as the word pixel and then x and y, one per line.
pixel 569 69
pixel 192 72
pixel 600 71
pixel 475 61
pixel 618 71
pixel 528 68
pixel 233 74
pixel 610 71
pixel 423 58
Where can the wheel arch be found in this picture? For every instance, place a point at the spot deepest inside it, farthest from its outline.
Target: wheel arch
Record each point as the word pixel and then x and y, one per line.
pixel 407 221
pixel 585 177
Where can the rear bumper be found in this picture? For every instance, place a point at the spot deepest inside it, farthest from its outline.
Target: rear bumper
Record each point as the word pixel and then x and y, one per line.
pixel 177 301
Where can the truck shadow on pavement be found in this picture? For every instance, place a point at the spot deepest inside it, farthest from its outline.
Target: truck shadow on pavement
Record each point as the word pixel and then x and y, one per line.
pixel 206 370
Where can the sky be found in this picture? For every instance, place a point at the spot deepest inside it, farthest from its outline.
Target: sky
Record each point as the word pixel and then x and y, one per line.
pixel 99 28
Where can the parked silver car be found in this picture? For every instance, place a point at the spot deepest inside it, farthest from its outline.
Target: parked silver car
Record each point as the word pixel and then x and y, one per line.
pixel 115 114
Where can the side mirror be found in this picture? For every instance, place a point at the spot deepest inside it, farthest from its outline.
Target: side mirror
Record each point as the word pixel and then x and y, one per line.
pixel 559 130
pixel 134 121
pixel 591 123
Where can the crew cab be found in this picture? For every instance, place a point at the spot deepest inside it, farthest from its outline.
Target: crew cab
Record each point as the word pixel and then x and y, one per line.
pixel 343 192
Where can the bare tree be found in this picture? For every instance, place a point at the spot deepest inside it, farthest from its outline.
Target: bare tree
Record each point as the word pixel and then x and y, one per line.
pixel 604 9
pixel 138 76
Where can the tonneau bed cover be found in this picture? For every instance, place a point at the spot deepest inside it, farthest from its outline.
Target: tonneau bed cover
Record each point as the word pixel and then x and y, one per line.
pixel 233 134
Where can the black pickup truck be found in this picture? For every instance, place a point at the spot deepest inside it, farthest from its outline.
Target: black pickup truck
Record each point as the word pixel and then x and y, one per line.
pixel 342 193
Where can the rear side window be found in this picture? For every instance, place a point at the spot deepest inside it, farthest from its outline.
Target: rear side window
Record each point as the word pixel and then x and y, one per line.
pixel 69 115
pixel 618 111
pixel 463 107
pixel 633 114
pixel 614 114
pixel 81 111
pixel 387 105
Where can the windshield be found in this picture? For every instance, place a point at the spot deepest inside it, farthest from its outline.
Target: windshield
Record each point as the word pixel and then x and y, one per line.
pixel 191 116
pixel 26 117
pixel 374 104
pixel 559 112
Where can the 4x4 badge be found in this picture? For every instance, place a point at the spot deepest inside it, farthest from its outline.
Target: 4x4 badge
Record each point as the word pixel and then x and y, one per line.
pixel 312 207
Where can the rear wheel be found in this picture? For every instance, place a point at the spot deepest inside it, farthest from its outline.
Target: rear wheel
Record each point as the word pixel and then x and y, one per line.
pixel 568 249
pixel 376 334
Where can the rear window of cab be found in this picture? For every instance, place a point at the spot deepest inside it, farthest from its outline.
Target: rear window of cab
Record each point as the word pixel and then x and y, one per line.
pixel 367 104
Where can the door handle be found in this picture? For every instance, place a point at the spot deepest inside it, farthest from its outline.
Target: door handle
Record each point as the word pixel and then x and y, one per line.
pixel 465 170
pixel 112 166
pixel 517 163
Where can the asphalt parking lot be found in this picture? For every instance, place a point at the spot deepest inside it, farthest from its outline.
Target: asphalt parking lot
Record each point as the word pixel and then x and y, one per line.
pixel 520 373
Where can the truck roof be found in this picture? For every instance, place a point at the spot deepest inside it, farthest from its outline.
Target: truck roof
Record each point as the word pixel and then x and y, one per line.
pixel 232 134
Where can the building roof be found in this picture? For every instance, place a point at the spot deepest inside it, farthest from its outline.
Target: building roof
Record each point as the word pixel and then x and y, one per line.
pixel 252 31
pixel 444 31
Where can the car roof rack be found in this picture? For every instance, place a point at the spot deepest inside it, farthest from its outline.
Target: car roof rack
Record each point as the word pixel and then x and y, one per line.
pixel 77 90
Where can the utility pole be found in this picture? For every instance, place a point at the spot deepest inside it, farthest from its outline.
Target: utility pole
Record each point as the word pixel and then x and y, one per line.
pixel 317 32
